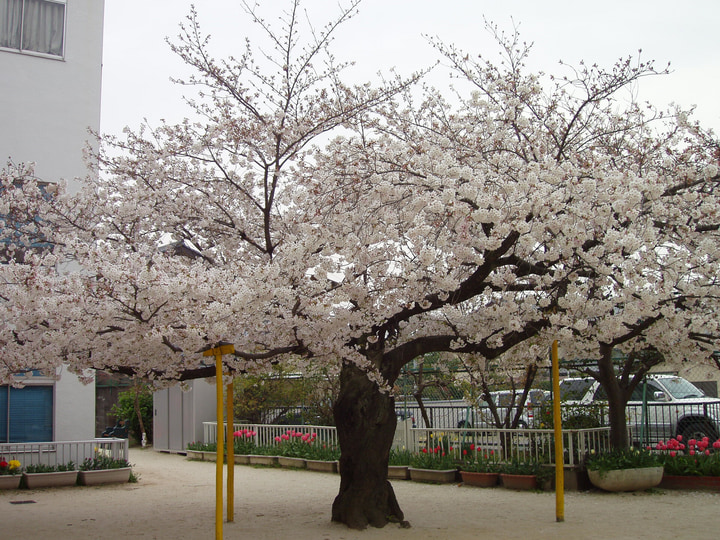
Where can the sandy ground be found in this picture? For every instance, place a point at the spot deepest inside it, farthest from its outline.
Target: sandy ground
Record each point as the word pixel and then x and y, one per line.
pixel 175 499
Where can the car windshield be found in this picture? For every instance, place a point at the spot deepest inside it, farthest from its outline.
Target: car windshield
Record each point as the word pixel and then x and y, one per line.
pixel 680 388
pixel 504 399
pixel 574 389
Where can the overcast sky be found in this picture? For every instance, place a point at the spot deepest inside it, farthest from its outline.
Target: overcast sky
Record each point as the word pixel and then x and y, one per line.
pixel 137 62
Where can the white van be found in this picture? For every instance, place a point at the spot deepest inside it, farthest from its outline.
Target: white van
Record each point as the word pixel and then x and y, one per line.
pixel 674 406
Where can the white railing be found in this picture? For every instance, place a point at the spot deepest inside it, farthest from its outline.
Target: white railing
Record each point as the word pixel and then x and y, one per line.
pixel 509 444
pixel 265 434
pixel 504 444
pixel 61 452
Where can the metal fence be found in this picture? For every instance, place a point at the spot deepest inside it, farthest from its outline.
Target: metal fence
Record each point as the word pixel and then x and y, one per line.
pixel 62 452
pixel 503 444
pixel 647 425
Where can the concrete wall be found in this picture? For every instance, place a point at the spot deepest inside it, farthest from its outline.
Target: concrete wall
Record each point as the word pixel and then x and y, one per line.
pixel 49 103
pixel 74 408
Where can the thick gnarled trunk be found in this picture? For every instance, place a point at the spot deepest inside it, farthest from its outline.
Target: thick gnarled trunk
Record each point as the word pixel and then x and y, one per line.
pixel 365 420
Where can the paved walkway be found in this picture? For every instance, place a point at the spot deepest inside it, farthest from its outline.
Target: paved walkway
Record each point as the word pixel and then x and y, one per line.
pixel 175 499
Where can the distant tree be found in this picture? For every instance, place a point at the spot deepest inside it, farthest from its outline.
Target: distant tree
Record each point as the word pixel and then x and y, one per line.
pixel 136 407
pixel 268 398
pixel 430 372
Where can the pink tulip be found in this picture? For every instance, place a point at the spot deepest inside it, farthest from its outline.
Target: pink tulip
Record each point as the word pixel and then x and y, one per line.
pixel 707 452
pixel 278 439
pixel 673 453
pixel 679 437
pixel 692 452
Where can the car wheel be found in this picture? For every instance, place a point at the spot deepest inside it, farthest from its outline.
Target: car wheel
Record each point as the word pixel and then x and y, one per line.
pixel 699 429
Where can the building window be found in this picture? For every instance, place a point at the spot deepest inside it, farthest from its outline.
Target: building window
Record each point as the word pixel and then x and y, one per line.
pixel 33 26
pixel 26 414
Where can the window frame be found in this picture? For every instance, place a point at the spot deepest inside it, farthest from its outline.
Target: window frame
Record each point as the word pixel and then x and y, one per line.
pixel 30 52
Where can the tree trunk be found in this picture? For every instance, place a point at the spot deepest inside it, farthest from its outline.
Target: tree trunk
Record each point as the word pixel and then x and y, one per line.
pixel 617 398
pixel 365 420
pixel 143 435
pixel 618 423
pixel 423 410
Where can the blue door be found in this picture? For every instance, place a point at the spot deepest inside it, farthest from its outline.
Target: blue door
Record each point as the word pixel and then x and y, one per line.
pixel 26 414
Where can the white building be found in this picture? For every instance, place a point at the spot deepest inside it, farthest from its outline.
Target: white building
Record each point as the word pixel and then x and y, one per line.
pixel 51 65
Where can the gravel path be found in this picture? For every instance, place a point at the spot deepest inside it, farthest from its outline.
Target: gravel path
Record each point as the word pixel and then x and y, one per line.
pixel 175 499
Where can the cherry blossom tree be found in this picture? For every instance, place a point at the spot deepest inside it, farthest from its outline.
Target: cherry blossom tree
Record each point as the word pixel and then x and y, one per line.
pixel 636 270
pixel 357 228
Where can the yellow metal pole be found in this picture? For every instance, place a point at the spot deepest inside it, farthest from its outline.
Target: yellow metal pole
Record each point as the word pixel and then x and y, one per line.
pixel 217 352
pixel 220 450
pixel 559 460
pixel 230 455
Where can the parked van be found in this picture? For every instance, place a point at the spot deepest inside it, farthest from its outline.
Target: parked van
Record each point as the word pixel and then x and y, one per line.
pixel 674 406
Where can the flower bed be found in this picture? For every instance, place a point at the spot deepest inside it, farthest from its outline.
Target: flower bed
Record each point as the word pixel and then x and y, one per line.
pixel 697 457
pixel 479 467
pixel 479 479
pixel 398 464
pixel 627 479
pixel 104 469
pixel 702 483
pixel 39 476
pixel 10 474
pixel 435 476
pixel 298 444
pixel 292 462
